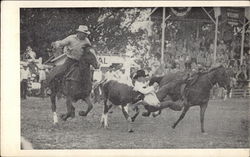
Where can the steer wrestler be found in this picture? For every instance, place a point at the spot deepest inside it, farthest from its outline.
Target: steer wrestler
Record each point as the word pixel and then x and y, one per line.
pixel 151 102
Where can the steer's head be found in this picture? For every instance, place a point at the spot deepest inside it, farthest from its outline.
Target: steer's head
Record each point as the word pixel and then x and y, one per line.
pixel 136 96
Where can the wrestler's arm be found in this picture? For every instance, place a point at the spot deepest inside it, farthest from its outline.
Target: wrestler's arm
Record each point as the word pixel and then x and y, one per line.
pixel 146 90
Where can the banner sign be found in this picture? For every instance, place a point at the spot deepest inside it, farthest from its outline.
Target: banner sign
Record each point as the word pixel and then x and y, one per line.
pixel 109 60
pixel 180 11
pixel 233 16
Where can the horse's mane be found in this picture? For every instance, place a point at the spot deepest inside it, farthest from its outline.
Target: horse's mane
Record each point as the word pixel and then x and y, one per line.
pixel 215 68
pixel 210 70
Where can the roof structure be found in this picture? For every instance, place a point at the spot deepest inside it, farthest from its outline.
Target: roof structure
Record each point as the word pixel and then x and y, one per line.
pixel 199 14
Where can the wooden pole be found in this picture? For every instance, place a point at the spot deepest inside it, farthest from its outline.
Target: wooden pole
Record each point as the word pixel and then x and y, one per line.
pixel 197 30
pixel 163 35
pixel 242 42
pixel 215 39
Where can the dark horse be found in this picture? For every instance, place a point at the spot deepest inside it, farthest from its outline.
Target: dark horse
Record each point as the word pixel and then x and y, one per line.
pixel 197 91
pixel 75 85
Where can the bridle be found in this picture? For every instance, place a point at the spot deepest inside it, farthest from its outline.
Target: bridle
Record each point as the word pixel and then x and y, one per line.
pixel 210 82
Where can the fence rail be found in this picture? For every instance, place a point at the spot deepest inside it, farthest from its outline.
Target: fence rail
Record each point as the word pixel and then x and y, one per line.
pixel 240 92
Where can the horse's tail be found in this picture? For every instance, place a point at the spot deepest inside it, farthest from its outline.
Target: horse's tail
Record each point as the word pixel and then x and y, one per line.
pixel 98 91
pixel 155 79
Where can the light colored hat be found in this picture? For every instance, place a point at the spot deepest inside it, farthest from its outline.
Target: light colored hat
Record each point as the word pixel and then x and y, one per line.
pixel 25 64
pixel 29 48
pixel 84 29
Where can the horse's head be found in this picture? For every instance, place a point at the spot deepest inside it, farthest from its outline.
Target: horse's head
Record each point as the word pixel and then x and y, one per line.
pixel 89 57
pixel 223 78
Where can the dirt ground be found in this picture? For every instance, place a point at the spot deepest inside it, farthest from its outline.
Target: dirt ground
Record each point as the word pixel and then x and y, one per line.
pixel 226 124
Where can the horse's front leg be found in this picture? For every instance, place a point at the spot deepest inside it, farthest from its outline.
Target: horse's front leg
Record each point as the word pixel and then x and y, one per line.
pixel 90 106
pixel 128 118
pixel 70 109
pixel 202 114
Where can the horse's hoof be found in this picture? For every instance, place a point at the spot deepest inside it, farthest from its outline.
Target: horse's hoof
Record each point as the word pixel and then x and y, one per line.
pixel 145 114
pixel 72 115
pixel 173 126
pixel 64 117
pixel 155 115
pixel 107 127
pixel 55 125
pixel 132 119
pixel 82 113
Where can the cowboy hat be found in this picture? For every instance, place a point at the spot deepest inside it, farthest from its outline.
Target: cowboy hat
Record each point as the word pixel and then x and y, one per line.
pixel 28 48
pixel 84 29
pixel 140 73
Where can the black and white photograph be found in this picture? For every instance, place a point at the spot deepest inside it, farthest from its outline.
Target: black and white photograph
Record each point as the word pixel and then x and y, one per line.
pixel 134 77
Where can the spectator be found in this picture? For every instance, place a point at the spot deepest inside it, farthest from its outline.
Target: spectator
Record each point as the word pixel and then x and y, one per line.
pixel 211 48
pixel 235 66
pixel 98 76
pixel 221 47
pixel 241 77
pixel 209 60
pixel 109 75
pixel 248 67
pixel 188 62
pixel 25 75
pixel 42 78
pixel 231 54
pixel 125 78
pixel 31 53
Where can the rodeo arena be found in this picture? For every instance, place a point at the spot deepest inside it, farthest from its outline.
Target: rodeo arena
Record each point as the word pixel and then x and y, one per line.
pixel 135 78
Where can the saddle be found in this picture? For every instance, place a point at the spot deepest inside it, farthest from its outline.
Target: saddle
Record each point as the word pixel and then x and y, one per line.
pixel 74 73
pixel 192 78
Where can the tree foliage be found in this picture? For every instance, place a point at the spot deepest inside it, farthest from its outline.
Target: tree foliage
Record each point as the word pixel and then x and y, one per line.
pixel 110 27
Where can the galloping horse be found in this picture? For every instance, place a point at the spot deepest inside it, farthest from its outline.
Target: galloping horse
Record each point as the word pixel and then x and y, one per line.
pixel 75 85
pixel 195 92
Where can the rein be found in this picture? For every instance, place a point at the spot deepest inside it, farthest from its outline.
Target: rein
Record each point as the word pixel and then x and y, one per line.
pixel 210 82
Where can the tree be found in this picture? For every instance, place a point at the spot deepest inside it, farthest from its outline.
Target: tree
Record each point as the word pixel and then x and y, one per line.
pixel 110 27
